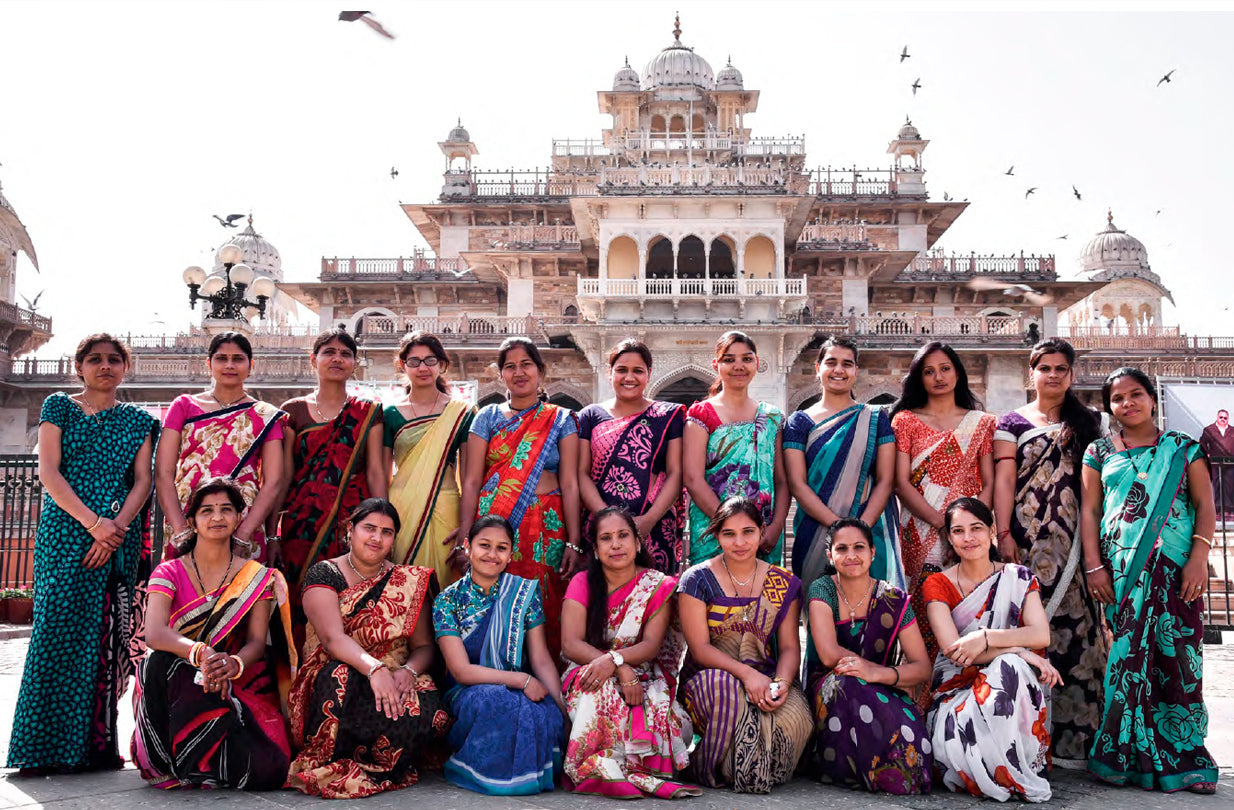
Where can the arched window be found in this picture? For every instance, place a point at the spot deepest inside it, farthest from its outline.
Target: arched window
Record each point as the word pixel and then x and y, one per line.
pixel 760 258
pixel 660 258
pixel 570 314
pixel 622 258
pixel 722 252
pixel 691 258
pixel 685 391
pixel 677 125
pixel 658 125
pixel 491 399
pixel 883 399
pixel 566 401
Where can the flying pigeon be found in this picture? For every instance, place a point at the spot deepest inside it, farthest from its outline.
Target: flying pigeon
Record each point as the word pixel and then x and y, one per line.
pixel 904 54
pixel 916 86
pixel 363 16
pixel 229 221
pixel 1166 78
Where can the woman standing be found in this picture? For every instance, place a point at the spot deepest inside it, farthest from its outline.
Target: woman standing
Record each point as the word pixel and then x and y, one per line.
pixel 1147 525
pixel 630 456
pixel 208 696
pixel 364 708
pixel 1037 451
pixel 740 618
pixel 628 734
pixel 840 457
pixel 490 628
pixel 522 464
pixel 332 461
pixel 988 722
pixel 868 733
pixel 91 554
pixel 945 448
pixel 425 432
pixel 221 432
pixel 732 450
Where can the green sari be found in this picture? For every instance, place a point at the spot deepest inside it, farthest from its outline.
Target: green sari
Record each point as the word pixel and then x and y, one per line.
pixel 1154 720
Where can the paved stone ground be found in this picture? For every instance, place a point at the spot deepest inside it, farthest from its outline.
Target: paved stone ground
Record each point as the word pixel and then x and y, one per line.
pixel 1071 789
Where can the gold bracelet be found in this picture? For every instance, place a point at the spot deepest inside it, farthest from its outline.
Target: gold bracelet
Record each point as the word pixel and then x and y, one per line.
pixel 240 663
pixel 629 683
pixel 1208 542
pixel 98 521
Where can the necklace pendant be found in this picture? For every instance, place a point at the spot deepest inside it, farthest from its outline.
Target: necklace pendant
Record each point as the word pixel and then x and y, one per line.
pixel 1142 476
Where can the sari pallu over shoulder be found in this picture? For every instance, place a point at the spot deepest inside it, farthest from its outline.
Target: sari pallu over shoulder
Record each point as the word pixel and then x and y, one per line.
pixel 515 460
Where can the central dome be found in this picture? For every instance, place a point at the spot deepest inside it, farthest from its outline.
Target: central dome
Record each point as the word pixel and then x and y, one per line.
pixel 1113 246
pixel 678 66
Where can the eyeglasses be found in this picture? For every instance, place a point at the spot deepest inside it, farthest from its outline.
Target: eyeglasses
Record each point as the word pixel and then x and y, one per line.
pixel 414 362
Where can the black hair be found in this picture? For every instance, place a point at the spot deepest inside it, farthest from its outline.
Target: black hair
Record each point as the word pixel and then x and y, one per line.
pixel 379 506
pixel 834 529
pixel 211 486
pixel 1081 427
pixel 218 341
pixel 1135 374
pixel 913 393
pixel 88 343
pixel 724 344
pixel 837 342
pixel 509 344
pixel 335 334
pixel 490 521
pixel 977 509
pixel 630 346
pixel 731 508
pixel 431 342
pixel 597 585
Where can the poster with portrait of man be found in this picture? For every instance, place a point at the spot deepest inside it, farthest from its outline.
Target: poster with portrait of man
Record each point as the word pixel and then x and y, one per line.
pixel 1201 409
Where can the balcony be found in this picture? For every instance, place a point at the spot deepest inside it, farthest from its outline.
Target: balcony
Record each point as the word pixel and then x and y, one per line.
pixel 413 268
pixel 668 288
pixel 1167 339
pixel 173 371
pixel 1091 372
pixel 904 329
pixel 937 267
pixel 852 183
pixel 704 179
pixel 844 237
pixel 533 237
pixel 484 330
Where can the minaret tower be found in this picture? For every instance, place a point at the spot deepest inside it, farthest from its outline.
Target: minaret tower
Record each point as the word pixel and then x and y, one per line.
pixel 910 179
pixel 458 149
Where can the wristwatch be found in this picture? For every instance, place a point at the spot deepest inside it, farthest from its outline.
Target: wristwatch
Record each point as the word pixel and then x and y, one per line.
pixel 618 660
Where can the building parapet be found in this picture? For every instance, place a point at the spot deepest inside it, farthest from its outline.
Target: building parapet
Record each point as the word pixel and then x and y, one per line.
pixel 1161 338
pixel 412 268
pixel 1091 371
pixel 773 146
pixel 666 288
pixel 173 370
pixel 379 331
pixel 534 237
pixel 12 313
pixel 937 267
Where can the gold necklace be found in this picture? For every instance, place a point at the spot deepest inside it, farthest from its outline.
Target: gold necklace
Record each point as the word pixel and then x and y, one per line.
pixel 745 610
pixel 321 418
pixel 411 403
pixel 362 577
pixel 958 582
pixel 222 404
pixel 852 614
pixel 1152 454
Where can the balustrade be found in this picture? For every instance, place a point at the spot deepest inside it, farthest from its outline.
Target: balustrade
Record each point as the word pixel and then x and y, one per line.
pixel 402 266
pixel 690 287
pixel 938 265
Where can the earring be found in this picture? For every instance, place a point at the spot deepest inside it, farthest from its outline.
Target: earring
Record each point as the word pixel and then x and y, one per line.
pixel 347 539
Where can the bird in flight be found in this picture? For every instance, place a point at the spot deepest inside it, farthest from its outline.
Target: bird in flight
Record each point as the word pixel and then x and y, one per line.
pixel 1010 172
pixel 229 221
pixel 904 54
pixel 1030 191
pixel 916 86
pixel 393 172
pixel 366 18
pixel 1064 236
pixel 33 306
pixel 1031 297
pixel 1166 78
pixel 1076 192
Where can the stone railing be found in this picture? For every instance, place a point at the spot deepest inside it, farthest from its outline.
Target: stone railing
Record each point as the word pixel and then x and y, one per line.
pixel 661 288
pixel 852 183
pixel 937 267
pixel 818 236
pixel 426 268
pixel 376 330
pixel 705 178
pixel 896 327
pixel 26 317
pixel 153 369
pixel 533 237
pixel 1092 370
pixel 1162 338
pixel 273 339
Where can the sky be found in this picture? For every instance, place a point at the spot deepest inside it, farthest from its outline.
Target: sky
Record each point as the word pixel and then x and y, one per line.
pixel 125 126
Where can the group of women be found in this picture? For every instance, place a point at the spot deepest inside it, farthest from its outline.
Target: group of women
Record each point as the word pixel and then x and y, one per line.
pixel 350 592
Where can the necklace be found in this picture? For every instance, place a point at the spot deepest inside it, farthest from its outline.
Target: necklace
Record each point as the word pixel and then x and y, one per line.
pixel 411 403
pixel 362 577
pixel 745 611
pixel 1152 454
pixel 960 584
pixel 852 614
pixel 222 404
pixel 317 409
pixel 210 595
pixel 94 413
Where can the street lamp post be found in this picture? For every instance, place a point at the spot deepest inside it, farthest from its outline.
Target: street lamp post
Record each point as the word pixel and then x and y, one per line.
pixel 225 293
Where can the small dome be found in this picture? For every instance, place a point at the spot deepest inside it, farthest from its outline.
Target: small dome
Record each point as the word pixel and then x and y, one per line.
pixel 678 66
pixel 626 78
pixel 1113 247
pixel 729 77
pixel 908 132
pixel 459 134
pixel 259 254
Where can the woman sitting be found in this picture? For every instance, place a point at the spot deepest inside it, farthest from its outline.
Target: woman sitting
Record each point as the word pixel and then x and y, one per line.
pixel 988 721
pixel 868 733
pixel 363 707
pixel 207 701
pixel 629 734
pixel 490 627
pixel 740 618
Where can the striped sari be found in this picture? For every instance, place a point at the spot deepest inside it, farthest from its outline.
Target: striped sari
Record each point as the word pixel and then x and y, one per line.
pixel 187 737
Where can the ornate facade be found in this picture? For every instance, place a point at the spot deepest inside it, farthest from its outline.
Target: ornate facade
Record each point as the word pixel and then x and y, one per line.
pixel 679 223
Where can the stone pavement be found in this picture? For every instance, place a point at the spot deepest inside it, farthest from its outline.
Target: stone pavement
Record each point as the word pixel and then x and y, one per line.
pixel 1071 789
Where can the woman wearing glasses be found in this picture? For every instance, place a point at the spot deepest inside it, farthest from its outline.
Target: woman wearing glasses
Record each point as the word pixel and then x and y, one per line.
pixel 424 431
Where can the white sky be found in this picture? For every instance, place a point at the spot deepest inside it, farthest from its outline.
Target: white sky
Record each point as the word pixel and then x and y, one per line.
pixel 124 126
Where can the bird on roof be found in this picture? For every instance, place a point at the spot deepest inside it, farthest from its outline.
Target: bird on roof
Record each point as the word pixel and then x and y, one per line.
pixel 1166 78
pixel 904 54
pixel 1030 191
pixel 916 86
pixel 1076 192
pixel 364 17
pixel 946 197
pixel 229 221
pixel 1010 172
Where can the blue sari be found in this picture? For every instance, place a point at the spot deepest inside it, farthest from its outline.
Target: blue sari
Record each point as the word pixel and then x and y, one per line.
pixel 841 455
pixel 505 744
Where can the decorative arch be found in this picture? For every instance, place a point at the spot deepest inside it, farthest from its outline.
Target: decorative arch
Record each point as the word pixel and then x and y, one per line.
pixel 760 257
pixel 563 389
pixel 491 399
pixel 353 323
pixel 622 257
pixel 882 397
pixel 680 373
pixel 486 391
pixel 660 251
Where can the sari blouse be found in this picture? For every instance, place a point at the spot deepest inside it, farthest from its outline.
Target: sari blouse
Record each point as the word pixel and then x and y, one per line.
pixel 727 622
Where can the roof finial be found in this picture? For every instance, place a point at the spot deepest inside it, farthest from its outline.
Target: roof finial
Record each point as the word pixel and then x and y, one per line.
pixel 1109 217
pixel 627 60
pixel 677 26
pixel 460 121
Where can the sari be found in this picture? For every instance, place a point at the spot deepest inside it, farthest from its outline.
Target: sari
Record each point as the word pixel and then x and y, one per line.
pixel 988 721
pixel 186 737
pixel 620 750
pixel 841 453
pixel 88 627
pixel 512 469
pixel 225 442
pixel 742 745
pixel 741 460
pixel 425 486
pixel 629 467
pixel 944 467
pixel 1154 720
pixel 1045 524
pixel 505 744
pixel 329 479
pixel 348 748
pixel 867 735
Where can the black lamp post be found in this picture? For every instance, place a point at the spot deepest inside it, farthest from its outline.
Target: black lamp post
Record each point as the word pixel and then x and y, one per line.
pixel 226 293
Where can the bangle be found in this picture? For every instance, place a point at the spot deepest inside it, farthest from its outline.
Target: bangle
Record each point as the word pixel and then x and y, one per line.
pixel 98 521
pixel 526 683
pixel 194 658
pixel 985 633
pixel 240 663
pixel 896 682
pixel 1004 533
pixel 632 682
pixel 1208 542
pixel 273 538
pixel 574 547
pixel 410 669
pixel 180 535
pixel 1095 569
pixel 375 667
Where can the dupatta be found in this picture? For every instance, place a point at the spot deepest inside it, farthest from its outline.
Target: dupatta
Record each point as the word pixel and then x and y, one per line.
pixel 515 460
pixel 423 459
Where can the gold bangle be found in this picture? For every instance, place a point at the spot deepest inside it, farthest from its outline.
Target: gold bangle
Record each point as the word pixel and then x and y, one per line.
pixel 1208 542
pixel 240 663
pixel 633 682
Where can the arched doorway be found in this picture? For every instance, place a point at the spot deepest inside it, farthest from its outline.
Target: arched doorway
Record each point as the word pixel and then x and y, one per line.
pixel 660 258
pixel 491 399
pixel 883 399
pixel 760 258
pixel 691 258
pixel 686 391
pixel 566 401
pixel 722 258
